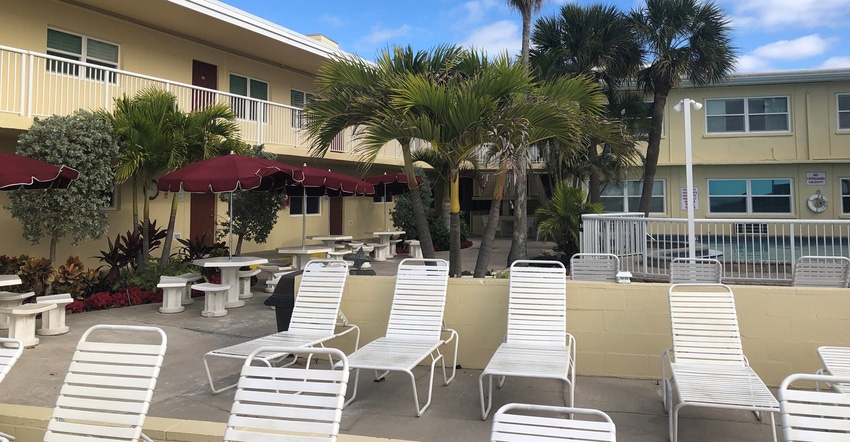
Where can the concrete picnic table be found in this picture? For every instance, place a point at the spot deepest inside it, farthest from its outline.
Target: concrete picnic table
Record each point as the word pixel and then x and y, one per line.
pixel 230 273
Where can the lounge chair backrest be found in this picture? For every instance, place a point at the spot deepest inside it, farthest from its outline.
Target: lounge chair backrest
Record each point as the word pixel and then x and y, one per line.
pixel 811 415
pixel 537 304
pixel 696 271
pixel 9 355
pixel 305 403
pixel 549 423
pixel 821 271
pixel 108 388
pixel 705 324
pixel 319 295
pixel 601 267
pixel 419 299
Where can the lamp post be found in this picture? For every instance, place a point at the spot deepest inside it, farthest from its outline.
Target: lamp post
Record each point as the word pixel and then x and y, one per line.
pixel 689 171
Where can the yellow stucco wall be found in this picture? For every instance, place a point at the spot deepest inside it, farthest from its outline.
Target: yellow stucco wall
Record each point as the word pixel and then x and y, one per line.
pixel 621 329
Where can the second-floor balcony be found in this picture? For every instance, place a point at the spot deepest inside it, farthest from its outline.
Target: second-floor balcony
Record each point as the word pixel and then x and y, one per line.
pixel 40 85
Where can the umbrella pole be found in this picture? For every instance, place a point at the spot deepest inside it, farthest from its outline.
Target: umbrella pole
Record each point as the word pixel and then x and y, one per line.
pixel 385 208
pixel 303 217
pixel 230 216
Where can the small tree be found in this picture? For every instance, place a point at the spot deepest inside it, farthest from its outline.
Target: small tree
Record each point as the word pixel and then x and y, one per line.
pixel 560 219
pixel 83 141
pixel 402 212
pixel 254 213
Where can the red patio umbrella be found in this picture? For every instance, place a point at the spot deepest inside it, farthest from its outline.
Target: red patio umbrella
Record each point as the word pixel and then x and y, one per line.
pixel 389 184
pixel 227 173
pixel 20 172
pixel 313 181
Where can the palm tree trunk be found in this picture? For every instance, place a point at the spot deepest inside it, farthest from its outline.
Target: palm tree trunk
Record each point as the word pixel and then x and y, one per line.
pixel 653 147
pixel 519 246
pixel 594 185
pixel 488 237
pixel 169 232
pixel 419 214
pixel 54 242
pixel 455 260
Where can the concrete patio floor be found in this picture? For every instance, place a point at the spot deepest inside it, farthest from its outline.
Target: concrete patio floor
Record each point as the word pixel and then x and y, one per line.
pixel 383 410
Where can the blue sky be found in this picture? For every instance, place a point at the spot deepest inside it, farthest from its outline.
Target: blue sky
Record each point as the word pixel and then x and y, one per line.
pixel 769 34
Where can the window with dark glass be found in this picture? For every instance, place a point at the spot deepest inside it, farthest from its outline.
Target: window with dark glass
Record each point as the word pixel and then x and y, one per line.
pixel 313 205
pixel 845 196
pixel 625 197
pixel 740 115
pixel 81 48
pixel 257 92
pixel 298 99
pixel 843 111
pixel 749 196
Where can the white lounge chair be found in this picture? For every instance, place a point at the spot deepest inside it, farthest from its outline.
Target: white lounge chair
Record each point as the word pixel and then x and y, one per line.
pixel 108 388
pixel 10 351
pixel 537 344
pixel 288 403
pixel 696 271
pixel 415 327
pixel 510 426
pixel 602 267
pixel 809 415
pixel 707 364
pixel 314 318
pixel 821 271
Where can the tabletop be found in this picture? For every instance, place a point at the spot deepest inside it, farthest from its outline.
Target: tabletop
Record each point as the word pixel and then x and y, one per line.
pixel 331 237
pixel 389 232
pixel 235 261
pixel 309 250
pixel 7 280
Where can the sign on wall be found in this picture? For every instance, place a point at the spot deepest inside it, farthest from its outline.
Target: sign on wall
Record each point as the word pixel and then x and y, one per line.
pixel 695 199
pixel 816 178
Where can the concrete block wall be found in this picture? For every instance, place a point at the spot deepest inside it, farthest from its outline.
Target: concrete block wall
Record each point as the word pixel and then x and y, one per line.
pixel 622 329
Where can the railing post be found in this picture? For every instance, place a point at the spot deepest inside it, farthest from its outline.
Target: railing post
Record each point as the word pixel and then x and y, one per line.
pixel 28 63
pixel 793 249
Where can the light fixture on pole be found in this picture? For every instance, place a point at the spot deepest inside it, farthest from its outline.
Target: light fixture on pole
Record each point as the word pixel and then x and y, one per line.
pixel 689 171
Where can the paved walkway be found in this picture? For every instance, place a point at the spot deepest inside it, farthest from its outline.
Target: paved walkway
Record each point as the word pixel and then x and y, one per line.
pixel 381 410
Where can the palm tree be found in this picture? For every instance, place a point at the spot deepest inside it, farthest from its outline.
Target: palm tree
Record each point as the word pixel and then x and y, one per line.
pixel 350 93
pixel 519 246
pixel 595 41
pixel 560 219
pixel 683 39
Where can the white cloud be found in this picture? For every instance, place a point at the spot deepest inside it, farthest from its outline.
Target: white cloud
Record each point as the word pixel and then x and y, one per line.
pixel 380 35
pixel 496 38
pixel 476 10
pixel 836 62
pixel 331 20
pixel 748 63
pixel 803 47
pixel 755 15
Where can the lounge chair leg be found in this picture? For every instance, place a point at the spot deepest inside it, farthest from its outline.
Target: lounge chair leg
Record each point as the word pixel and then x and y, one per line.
pixel 353 390
pixel 485 409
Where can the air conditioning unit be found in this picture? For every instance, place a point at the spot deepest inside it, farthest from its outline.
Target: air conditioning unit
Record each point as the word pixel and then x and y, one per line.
pixel 750 228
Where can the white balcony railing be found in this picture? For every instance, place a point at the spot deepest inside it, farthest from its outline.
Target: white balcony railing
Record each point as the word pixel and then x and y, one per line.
pixel 750 249
pixel 40 85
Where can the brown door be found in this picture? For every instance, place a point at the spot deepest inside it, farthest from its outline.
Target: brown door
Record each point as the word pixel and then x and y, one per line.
pixel 202 216
pixel 335 216
pixel 204 75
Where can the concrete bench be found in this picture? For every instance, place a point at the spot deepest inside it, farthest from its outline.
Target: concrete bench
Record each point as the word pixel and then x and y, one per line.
pixel 272 271
pixel 215 296
pixel 22 321
pixel 245 283
pixel 187 279
pixel 380 251
pixel 10 299
pixel 53 321
pixel 338 254
pixel 172 295
pixel 414 248
pixel 393 245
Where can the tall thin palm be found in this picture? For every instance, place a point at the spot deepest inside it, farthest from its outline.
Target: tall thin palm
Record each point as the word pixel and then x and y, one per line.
pixel 351 93
pixel 204 133
pixel 519 246
pixel 683 39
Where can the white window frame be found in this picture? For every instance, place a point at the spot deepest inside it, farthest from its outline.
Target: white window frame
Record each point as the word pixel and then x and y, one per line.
pixel 839 111
pixel 747 115
pixel 244 108
pixel 88 73
pixel 845 197
pixel 749 195
pixel 113 203
pixel 660 183
pixel 297 112
pixel 308 212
